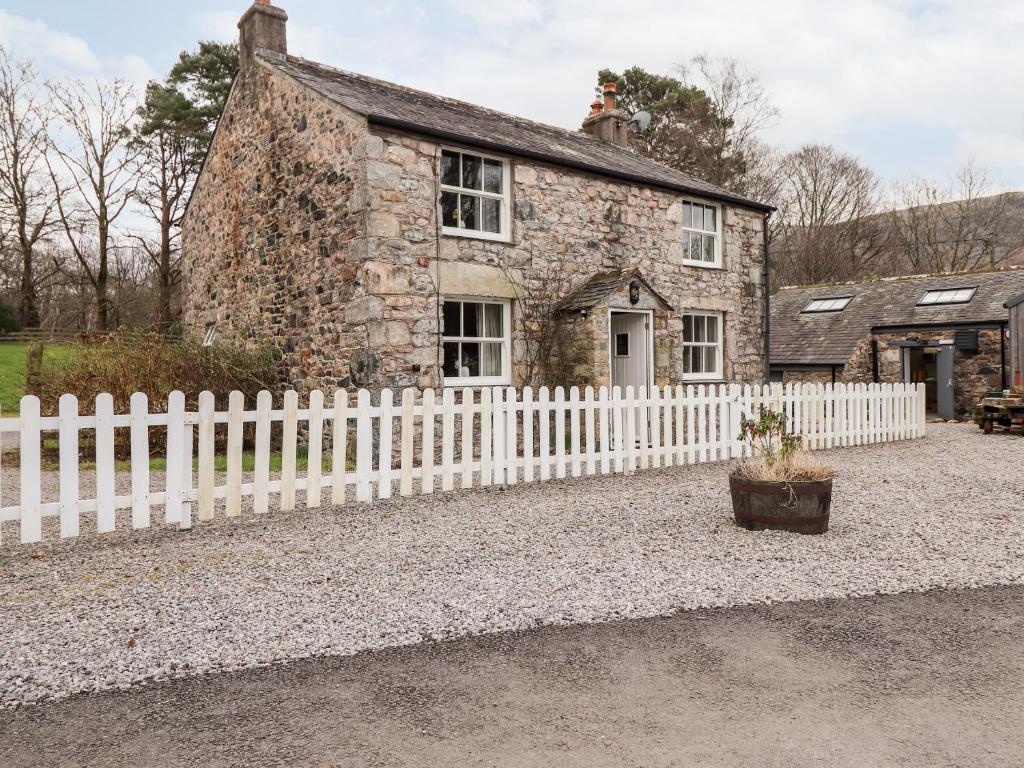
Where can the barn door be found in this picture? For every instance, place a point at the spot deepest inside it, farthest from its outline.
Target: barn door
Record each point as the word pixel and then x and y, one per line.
pixel 944 382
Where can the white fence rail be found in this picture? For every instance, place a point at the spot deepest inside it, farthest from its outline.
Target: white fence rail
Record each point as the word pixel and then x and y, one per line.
pixel 414 446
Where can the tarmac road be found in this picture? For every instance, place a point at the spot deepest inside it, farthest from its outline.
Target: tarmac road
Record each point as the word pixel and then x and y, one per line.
pixel 934 679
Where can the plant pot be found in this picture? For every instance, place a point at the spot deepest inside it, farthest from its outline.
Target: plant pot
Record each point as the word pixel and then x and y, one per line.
pixel 800 506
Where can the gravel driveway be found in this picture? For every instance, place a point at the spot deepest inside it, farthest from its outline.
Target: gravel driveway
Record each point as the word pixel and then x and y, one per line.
pixel 102 613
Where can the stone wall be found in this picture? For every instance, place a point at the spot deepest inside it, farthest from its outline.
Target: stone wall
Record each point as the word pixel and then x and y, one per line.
pixel 268 241
pixel 578 225
pixel 315 233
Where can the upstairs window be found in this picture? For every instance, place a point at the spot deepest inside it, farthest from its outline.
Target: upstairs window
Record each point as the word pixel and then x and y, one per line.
pixel 701 235
pixel 474 195
pixel 832 304
pixel 947 296
pixel 476 342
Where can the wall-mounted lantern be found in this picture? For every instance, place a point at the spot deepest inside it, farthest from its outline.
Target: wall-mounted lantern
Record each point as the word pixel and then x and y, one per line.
pixel 634 291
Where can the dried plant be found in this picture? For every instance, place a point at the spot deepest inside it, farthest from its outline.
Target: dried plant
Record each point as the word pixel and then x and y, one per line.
pixel 777 451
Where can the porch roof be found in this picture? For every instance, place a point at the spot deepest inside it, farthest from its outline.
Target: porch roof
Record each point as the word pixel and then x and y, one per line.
pixel 596 287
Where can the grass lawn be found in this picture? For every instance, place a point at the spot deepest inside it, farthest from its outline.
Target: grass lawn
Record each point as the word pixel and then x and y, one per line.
pixel 12 371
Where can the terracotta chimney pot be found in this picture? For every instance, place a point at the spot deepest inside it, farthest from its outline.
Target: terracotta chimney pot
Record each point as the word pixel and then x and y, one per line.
pixel 595 107
pixel 610 90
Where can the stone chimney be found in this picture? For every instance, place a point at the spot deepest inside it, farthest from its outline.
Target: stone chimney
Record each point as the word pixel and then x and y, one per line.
pixel 261 28
pixel 606 121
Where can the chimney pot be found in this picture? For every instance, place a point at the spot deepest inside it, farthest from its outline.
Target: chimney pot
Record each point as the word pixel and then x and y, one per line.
pixel 596 106
pixel 610 90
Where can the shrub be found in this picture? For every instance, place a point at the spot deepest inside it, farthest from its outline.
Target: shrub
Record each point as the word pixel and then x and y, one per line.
pixel 9 320
pixel 125 363
pixel 777 452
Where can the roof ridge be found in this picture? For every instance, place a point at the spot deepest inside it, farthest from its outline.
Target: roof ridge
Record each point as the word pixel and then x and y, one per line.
pixel 897 278
pixel 577 134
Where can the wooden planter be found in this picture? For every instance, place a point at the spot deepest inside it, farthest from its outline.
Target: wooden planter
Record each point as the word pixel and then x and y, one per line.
pixel 801 506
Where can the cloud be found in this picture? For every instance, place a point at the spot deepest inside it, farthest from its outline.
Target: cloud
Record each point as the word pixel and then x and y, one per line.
pixel 50 48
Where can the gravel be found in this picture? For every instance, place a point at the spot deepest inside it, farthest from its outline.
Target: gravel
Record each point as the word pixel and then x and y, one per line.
pixel 110 612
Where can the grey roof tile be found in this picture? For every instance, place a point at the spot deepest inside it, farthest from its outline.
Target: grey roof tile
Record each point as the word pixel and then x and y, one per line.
pixel 390 104
pixel 828 338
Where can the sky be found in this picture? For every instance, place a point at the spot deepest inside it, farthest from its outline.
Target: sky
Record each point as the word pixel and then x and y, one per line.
pixel 913 88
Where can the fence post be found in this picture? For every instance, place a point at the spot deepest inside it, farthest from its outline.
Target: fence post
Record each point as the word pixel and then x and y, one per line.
pixel 173 481
pixel 427 446
pixel 447 439
pixel 588 427
pixel 559 432
pixel 630 432
pixel 339 447
pixel 261 464
pixel 138 406
pixel 364 446
pixel 106 496
pixel 233 492
pixel 544 425
pixel 408 440
pixel 29 471
pixel 498 433
pixel 511 442
pixel 385 427
pixel 315 449
pixel 574 431
pixel 528 435
pixel 467 438
pixel 486 414
pixel 206 468
pixel 289 449
pixel 602 418
pixel 67 410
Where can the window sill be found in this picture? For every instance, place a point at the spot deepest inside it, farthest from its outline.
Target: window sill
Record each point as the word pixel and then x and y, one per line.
pixel 450 382
pixel 703 264
pixel 703 380
pixel 472 234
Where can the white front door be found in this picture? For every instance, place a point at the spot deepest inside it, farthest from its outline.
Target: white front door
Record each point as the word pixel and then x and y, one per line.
pixel 631 354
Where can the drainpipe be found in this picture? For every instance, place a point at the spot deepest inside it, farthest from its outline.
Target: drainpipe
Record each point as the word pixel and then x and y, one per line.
pixel 874 359
pixel 1002 355
pixel 767 300
pixel 833 375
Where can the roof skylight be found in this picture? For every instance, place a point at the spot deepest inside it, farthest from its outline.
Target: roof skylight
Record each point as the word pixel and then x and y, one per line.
pixel 831 304
pixel 947 296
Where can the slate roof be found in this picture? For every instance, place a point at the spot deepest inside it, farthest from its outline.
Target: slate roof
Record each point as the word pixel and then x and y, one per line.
pixel 600 285
pixel 828 338
pixel 396 106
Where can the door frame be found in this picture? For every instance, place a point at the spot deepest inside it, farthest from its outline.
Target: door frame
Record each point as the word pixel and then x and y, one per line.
pixel 649 340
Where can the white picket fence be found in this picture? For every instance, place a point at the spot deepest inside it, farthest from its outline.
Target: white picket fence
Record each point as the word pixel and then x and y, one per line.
pixel 502 436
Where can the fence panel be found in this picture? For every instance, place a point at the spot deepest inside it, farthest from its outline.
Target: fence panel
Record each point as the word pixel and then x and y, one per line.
pixel 617 431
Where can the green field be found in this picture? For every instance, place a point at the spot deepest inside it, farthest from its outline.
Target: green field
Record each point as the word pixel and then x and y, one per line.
pixel 12 371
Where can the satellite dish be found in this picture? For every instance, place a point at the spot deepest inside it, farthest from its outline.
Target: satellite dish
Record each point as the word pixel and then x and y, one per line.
pixel 640 121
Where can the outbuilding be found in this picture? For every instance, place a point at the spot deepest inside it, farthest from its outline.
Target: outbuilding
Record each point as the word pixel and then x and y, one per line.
pixel 949 331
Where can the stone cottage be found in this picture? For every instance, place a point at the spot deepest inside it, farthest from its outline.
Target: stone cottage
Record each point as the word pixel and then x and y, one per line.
pixel 948 331
pixel 382 236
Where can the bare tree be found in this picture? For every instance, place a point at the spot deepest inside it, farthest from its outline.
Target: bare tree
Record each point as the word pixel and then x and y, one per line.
pixel 826 229
pixel 27 199
pixel 94 171
pixel 730 149
pixel 953 228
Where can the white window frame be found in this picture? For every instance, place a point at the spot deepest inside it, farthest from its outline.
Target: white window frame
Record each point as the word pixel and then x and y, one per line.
pixel 938 292
pixel 506 345
pixel 505 197
pixel 717 263
pixel 719 373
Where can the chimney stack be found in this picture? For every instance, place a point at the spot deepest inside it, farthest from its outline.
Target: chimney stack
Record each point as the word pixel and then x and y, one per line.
pixel 606 121
pixel 261 28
